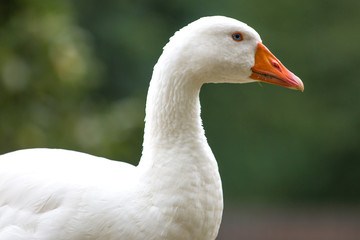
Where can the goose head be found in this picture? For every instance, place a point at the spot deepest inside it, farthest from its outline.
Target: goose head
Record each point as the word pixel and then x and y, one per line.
pixel 221 49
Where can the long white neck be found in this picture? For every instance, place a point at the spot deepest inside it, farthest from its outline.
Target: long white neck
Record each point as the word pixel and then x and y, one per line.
pixel 173 120
pixel 177 163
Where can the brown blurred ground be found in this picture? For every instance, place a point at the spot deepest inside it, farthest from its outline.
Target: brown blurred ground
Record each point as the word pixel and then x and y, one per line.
pixel 315 223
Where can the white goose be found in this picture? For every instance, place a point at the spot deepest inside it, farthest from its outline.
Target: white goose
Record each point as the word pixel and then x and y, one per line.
pixel 175 192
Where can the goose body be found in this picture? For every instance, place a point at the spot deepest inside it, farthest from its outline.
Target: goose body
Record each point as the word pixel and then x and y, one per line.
pixel 175 192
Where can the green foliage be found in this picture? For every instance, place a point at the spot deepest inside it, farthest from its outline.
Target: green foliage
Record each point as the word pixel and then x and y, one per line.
pixel 74 74
pixel 49 73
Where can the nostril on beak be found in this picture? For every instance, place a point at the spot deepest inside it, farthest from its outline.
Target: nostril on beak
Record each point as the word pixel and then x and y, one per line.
pixel 276 65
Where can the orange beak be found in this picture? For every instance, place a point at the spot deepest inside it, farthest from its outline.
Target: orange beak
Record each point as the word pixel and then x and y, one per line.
pixel 269 69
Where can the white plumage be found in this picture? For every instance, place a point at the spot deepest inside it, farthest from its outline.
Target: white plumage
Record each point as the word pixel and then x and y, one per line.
pixel 175 192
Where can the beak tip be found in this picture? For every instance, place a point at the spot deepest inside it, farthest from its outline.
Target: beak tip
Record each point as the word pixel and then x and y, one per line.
pixel 299 84
pixel 301 89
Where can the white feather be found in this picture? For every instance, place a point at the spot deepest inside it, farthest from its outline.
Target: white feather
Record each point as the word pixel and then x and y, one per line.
pixel 174 193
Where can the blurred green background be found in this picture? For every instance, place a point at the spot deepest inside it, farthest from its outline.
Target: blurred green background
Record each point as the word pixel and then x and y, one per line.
pixel 74 75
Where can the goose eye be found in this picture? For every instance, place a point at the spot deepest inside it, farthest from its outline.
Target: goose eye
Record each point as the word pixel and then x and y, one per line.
pixel 237 36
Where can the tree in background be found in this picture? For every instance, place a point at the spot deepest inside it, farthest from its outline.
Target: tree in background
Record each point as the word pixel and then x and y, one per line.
pixel 48 74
